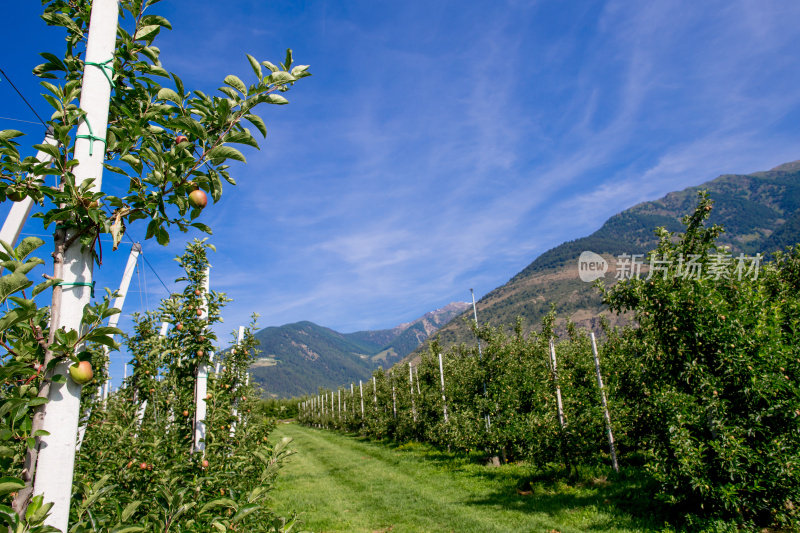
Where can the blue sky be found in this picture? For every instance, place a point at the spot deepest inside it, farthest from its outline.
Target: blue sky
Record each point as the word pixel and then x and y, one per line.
pixel 444 145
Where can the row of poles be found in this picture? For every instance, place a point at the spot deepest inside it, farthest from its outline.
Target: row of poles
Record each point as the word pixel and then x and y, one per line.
pixel 318 406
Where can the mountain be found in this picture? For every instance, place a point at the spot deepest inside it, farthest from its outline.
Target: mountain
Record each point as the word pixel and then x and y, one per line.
pixel 760 213
pixel 301 357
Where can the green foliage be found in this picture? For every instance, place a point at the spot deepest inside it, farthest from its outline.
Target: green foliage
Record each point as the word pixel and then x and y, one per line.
pixel 149 109
pixel 137 465
pixel 718 374
pixel 703 391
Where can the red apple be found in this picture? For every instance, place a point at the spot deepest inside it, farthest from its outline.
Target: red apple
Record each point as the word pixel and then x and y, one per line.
pixel 179 326
pixel 205 463
pixel 143 466
pixel 181 139
pixel 81 373
pixel 185 413
pixel 197 292
pixel 199 353
pixel 199 312
pixel 198 199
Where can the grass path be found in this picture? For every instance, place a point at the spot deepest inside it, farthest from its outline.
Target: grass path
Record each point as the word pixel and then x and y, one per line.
pixel 342 483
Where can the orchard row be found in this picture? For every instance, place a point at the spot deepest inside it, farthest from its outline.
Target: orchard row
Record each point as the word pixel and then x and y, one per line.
pixel 703 391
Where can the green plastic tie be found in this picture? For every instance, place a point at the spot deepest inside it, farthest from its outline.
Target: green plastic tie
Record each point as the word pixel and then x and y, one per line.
pixel 92 137
pixel 78 284
pixel 106 68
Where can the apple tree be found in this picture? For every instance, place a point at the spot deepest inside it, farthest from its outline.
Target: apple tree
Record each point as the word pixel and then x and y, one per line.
pixel 164 142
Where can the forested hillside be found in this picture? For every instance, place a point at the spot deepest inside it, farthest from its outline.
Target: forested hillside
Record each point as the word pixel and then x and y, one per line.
pixel 760 213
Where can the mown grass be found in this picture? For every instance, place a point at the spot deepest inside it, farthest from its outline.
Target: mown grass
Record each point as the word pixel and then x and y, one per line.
pixel 344 483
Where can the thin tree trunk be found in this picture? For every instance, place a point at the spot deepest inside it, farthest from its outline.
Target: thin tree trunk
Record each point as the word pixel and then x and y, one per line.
pixel 32 454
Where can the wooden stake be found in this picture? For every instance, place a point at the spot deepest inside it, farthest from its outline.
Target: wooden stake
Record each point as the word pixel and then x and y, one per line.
pixel 361 392
pixel 561 420
pixel 606 416
pixel 411 391
pixel 441 377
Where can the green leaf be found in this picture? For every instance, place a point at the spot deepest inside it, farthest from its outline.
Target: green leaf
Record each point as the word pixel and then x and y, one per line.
pixel 219 502
pixel 241 137
pixel 189 125
pixel 48 149
pixel 236 83
pixel 5 135
pixel 146 32
pixel 221 153
pixel 156 20
pixel 300 71
pixel 129 510
pixel 274 99
pixel 256 121
pixel 127 529
pixel 10 484
pixel 45 285
pixel 162 237
pixel 202 227
pixel 280 77
pixel 27 245
pixel 13 283
pixel 165 93
pixel 244 511
pixel 15 316
pixel 229 92
pixel 106 330
pixel 287 63
pixel 254 64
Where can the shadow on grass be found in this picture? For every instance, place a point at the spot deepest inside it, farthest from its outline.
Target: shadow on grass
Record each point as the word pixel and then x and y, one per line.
pixel 625 500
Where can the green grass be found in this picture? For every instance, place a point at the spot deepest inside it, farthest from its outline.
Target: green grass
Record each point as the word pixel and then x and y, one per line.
pixel 344 483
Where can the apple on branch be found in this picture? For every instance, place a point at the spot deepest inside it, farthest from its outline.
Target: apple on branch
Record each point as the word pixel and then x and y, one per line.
pixel 81 373
pixel 198 199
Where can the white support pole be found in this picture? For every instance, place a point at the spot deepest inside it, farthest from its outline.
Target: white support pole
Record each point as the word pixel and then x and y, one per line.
pixel 394 399
pixel 416 375
pixel 606 416
pixel 339 393
pixel 235 411
pixel 411 391
pixel 361 392
pixel 441 377
pixel 15 220
pixel 140 413
pixel 560 406
pixel 374 391
pixel 201 383
pixel 119 302
pixel 56 458
pixel 480 352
